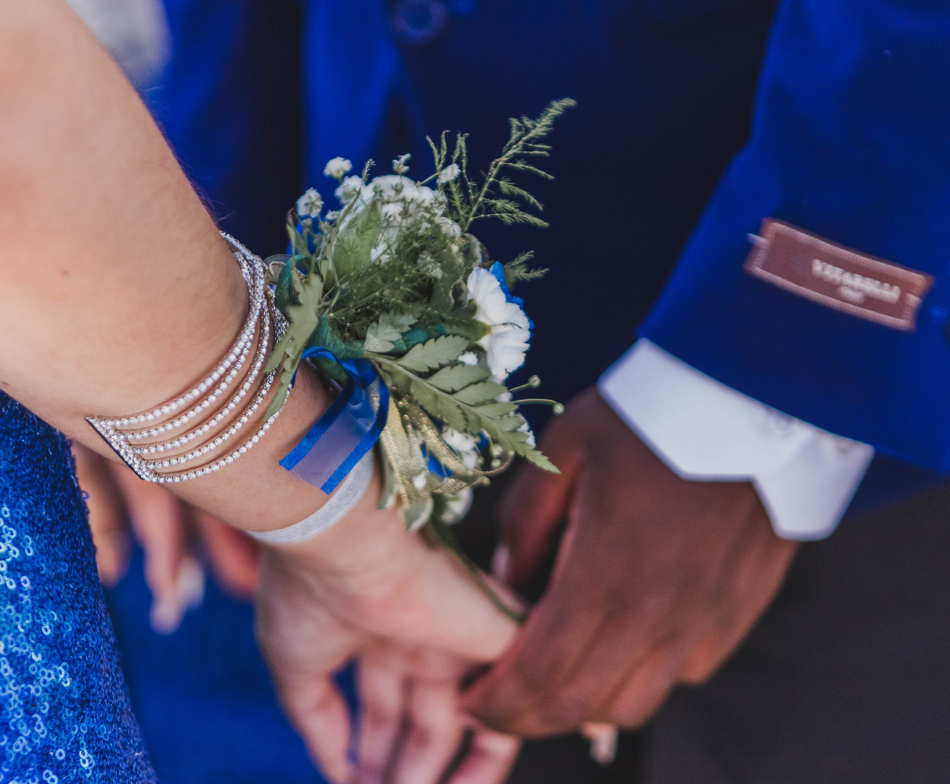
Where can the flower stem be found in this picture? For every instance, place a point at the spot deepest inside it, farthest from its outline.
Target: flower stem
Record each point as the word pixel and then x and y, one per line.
pixel 446 537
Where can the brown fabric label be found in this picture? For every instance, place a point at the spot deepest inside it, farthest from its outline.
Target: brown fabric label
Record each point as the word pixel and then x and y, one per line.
pixel 838 277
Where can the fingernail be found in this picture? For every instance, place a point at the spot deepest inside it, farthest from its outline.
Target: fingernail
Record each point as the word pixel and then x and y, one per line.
pixel 169 607
pixel 603 741
pixel 499 562
pixel 190 584
pixel 166 613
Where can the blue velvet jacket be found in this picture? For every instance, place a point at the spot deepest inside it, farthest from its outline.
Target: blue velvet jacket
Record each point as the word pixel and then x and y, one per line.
pixel 850 140
pixel 664 92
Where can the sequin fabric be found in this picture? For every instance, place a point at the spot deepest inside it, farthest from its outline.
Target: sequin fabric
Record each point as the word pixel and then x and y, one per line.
pixel 64 709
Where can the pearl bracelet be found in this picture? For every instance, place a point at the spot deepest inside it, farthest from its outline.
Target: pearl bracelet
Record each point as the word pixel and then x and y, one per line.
pixel 263 318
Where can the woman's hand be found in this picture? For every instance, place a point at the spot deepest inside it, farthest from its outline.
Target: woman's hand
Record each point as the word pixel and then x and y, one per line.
pixel 178 539
pixel 418 624
pixel 412 729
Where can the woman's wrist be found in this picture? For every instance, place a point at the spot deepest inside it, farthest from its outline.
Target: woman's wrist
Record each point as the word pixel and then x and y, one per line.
pixel 256 493
pixel 365 540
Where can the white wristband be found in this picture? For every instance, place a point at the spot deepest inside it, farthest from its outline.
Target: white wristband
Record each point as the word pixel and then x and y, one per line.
pixel 347 495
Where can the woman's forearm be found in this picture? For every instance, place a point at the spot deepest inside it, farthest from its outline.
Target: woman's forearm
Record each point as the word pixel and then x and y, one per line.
pixel 116 290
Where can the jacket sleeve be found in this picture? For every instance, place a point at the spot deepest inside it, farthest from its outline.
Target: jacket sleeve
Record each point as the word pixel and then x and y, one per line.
pixel 851 141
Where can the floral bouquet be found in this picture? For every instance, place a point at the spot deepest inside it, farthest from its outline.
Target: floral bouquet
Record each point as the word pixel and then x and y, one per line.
pixel 394 299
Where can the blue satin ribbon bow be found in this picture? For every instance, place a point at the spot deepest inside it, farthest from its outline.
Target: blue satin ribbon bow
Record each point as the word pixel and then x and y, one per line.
pixel 346 431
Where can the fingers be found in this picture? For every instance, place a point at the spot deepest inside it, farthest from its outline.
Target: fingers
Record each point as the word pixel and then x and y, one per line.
pixel 585 603
pixel 529 519
pixel 318 711
pixel 106 514
pixel 382 706
pixel 533 508
pixel 489 758
pixel 552 645
pixel 764 576
pixel 411 725
pixel 159 521
pixel 648 686
pixel 433 733
pixel 233 556
pixel 303 644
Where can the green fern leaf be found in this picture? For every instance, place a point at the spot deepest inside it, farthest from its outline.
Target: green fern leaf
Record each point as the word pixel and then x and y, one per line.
pixel 434 353
pixel 456 377
pixel 480 393
pixel 441 406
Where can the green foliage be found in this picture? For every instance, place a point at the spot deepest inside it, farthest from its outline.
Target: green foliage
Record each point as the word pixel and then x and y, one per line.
pixel 464 401
pixel 354 246
pixel 303 319
pixel 383 333
pixel 498 196
pixel 287 286
pixel 433 353
pixel 518 270
pixel 385 278
pixel 456 377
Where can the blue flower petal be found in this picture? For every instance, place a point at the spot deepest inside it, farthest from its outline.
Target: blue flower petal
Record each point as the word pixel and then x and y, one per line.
pixel 498 270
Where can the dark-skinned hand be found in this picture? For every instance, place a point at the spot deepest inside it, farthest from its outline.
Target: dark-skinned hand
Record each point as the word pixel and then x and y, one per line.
pixel 657 579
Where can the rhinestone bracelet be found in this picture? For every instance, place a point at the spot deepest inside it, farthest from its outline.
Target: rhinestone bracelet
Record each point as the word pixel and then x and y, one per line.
pixel 262 320
pixel 221 415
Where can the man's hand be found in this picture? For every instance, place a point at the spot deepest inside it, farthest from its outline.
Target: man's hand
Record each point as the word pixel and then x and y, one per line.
pixel 657 579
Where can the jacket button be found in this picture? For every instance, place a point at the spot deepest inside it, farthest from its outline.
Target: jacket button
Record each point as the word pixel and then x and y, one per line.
pixel 419 21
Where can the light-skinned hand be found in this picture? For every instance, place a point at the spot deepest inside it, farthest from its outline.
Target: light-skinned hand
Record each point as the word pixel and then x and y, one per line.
pixel 178 540
pixel 417 623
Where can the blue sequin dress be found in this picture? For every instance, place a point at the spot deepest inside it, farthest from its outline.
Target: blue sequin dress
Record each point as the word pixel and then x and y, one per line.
pixel 64 708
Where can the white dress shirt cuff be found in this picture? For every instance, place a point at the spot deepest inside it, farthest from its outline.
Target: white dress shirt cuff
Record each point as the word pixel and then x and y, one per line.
pixel 706 431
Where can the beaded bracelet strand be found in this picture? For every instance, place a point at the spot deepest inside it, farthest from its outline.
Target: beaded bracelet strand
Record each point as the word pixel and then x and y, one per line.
pixel 262 320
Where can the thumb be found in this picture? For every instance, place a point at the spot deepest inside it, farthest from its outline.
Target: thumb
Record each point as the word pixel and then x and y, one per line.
pixel 534 508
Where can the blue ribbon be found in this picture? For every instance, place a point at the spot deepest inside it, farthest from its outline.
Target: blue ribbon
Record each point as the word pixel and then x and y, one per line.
pixel 346 431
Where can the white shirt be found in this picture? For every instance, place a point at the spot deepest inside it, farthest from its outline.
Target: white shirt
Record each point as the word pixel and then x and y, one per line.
pixel 704 430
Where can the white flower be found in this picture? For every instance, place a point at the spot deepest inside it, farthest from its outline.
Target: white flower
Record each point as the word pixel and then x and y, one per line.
pixel 395 187
pixel 469 358
pixel 420 481
pixel 391 211
pixel 458 506
pixel 337 168
pixel 525 428
pixel 332 215
pixel 449 173
pixel 430 265
pixel 310 204
pixel 349 188
pixel 507 342
pixel 399 165
pixel 449 227
pixel 464 445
